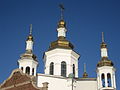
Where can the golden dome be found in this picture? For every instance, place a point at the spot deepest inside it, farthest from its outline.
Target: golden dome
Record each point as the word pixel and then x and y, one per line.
pixel 85 75
pixel 103 45
pixel 29 54
pixel 105 62
pixel 61 43
pixel 61 24
pixel 30 38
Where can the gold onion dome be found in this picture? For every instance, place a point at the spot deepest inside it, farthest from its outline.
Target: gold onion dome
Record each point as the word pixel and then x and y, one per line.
pixel 61 43
pixel 103 45
pixel 30 38
pixel 61 24
pixel 28 54
pixel 105 62
pixel 85 75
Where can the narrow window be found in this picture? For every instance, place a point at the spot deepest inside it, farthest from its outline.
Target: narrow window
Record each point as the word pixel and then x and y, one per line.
pixel 51 68
pixel 33 71
pixel 22 68
pixel 74 69
pixel 63 69
pixel 28 70
pixel 109 79
pixel 103 80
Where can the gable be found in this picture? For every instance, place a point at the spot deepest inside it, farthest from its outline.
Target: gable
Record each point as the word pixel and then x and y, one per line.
pixel 20 81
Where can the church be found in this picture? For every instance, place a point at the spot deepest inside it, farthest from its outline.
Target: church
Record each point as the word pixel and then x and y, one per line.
pixel 61 67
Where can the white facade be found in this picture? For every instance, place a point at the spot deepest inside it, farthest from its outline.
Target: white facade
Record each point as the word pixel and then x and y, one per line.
pixel 24 63
pixel 55 82
pixel 64 83
pixel 105 70
pixel 86 84
pixel 59 55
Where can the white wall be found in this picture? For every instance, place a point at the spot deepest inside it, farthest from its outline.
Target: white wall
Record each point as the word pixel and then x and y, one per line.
pixel 61 83
pixel 105 70
pixel 57 56
pixel 85 85
pixel 28 63
pixel 54 83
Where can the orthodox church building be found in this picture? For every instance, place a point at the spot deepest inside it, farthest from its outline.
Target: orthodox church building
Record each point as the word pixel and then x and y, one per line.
pixel 61 68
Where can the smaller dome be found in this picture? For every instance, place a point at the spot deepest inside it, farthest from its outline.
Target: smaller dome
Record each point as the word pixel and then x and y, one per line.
pixel 61 24
pixel 30 38
pixel 85 75
pixel 103 45
pixel 105 62
pixel 29 55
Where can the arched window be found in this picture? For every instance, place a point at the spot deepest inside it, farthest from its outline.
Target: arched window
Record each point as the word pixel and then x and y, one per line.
pixel 33 71
pixel 103 80
pixel 28 70
pixel 74 69
pixel 51 68
pixel 22 68
pixel 63 68
pixel 109 79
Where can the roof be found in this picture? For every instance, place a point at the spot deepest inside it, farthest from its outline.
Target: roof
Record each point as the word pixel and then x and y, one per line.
pixel 105 62
pixel 20 81
pixel 29 54
pixel 61 42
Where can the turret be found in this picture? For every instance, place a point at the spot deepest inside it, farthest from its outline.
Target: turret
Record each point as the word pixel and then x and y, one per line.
pixel 61 59
pixel 28 61
pixel 105 70
pixel 85 75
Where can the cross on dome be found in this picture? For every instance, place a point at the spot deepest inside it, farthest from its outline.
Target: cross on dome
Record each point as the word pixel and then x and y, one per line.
pixel 62 11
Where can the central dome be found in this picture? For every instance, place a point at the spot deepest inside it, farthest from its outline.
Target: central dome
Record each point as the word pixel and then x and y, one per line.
pixel 61 43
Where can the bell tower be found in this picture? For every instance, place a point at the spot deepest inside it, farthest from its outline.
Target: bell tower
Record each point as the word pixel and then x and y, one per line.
pixel 28 61
pixel 105 70
pixel 61 59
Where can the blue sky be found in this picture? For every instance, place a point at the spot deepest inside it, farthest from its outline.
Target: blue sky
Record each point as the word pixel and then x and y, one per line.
pixel 85 19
